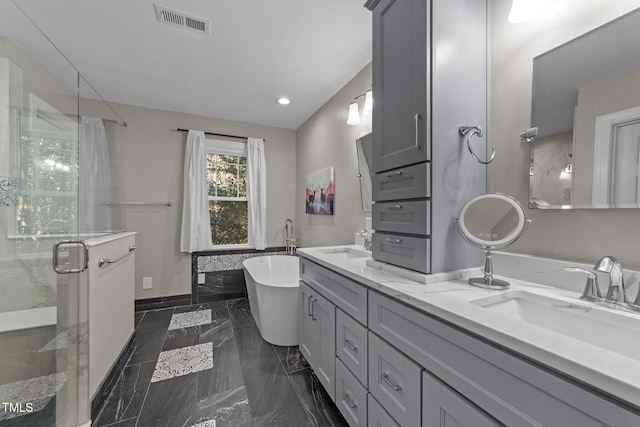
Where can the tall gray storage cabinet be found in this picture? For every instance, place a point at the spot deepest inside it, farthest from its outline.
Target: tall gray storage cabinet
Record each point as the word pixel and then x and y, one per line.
pixel 429 78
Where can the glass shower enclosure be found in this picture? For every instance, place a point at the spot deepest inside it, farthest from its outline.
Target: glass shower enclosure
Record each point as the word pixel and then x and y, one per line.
pixel 43 330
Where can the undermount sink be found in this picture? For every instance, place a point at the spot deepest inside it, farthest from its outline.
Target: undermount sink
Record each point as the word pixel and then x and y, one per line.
pixel 346 253
pixel 616 331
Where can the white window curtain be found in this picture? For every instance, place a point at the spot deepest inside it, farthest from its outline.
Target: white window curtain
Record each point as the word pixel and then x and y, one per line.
pixel 196 228
pixel 257 192
pixel 94 187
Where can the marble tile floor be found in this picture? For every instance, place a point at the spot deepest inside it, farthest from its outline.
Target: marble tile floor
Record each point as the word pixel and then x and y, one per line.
pixel 207 365
pixel 37 398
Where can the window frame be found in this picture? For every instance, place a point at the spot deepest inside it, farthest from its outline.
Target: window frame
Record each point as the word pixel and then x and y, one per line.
pixel 230 148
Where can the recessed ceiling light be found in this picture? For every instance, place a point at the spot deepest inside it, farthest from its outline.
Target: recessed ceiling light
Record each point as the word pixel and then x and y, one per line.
pixel 283 100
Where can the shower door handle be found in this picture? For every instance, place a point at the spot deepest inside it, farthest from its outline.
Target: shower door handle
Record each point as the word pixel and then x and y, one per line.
pixel 75 253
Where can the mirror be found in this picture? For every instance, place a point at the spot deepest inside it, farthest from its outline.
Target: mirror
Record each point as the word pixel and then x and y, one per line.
pixel 491 221
pixel 364 154
pixel 586 105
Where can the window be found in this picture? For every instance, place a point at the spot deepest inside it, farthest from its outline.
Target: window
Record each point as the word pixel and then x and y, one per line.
pixel 48 173
pixel 227 192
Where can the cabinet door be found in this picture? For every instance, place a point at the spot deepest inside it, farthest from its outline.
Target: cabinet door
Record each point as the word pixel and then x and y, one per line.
pixel 307 337
pixel 324 317
pixel 443 407
pixel 317 335
pixel 400 76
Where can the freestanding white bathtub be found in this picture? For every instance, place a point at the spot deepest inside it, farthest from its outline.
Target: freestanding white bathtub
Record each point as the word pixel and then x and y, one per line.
pixel 272 287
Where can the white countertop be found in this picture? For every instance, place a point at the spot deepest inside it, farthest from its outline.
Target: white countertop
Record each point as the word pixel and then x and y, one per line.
pixel 448 295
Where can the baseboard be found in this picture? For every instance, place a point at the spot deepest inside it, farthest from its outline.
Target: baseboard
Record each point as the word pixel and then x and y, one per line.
pixel 162 302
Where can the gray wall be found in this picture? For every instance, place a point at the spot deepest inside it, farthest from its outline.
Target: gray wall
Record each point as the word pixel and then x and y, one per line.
pixel 577 235
pixel 153 154
pixel 326 140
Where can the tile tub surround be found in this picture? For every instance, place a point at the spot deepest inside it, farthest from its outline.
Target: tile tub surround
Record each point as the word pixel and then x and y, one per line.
pixel 594 367
pixel 225 375
pixel 232 259
pixel 223 273
pixel 220 286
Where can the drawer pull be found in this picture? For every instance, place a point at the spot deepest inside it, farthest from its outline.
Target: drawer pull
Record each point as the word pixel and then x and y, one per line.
pixel 392 174
pixel 417 119
pixel 349 401
pixel 386 379
pixel 390 240
pixel 350 344
pixel 309 305
pixel 314 304
pixel 393 207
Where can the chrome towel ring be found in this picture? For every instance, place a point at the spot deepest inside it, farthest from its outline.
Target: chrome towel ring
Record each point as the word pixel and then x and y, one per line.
pixel 469 131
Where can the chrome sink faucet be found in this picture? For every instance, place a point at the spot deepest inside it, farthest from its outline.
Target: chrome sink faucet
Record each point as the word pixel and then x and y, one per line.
pixel 617 292
pixel 367 238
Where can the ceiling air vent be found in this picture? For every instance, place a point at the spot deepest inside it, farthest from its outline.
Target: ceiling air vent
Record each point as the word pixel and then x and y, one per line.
pixel 182 20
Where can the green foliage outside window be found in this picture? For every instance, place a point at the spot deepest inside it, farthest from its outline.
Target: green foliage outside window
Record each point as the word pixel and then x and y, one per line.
pixel 48 185
pixel 228 203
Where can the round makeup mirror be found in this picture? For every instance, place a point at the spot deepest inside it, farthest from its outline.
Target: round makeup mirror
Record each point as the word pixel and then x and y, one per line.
pixel 491 221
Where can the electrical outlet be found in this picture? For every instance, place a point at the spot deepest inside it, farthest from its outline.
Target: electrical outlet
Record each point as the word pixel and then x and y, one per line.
pixel 201 278
pixel 147 283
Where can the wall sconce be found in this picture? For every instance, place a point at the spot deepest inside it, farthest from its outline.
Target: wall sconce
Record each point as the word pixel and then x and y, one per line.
pixel 367 110
pixel 525 10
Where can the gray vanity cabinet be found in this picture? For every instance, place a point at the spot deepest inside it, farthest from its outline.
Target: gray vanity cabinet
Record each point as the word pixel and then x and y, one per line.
pixel 400 54
pixel 429 78
pixel 316 335
pixel 406 367
pixel 511 389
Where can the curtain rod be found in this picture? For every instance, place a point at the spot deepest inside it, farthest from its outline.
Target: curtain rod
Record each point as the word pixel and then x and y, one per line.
pixel 216 134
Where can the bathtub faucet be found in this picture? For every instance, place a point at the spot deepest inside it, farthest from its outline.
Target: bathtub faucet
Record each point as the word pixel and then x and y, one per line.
pixel 289 237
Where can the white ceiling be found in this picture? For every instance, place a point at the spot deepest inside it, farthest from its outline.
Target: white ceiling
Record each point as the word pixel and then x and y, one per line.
pixel 257 50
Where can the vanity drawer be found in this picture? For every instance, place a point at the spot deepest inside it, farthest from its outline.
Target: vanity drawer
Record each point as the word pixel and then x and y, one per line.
pixel 377 416
pixel 410 252
pixel 402 216
pixel 350 296
pixel 440 402
pixel 508 387
pixel 411 182
pixel 351 345
pixel 395 381
pixel 351 396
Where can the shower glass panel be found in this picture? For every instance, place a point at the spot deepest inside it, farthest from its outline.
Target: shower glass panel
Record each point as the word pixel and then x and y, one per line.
pixel 38 207
pixel 42 313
